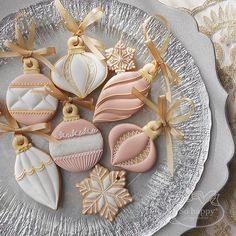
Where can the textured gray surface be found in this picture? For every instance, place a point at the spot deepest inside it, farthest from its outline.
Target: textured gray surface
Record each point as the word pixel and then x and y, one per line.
pixel 174 46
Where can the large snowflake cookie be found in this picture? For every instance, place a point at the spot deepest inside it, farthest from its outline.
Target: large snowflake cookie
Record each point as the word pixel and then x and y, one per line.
pixel 104 192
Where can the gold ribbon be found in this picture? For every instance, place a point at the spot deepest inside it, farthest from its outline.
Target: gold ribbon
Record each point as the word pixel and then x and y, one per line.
pixel 94 45
pixel 165 123
pixel 59 95
pixel 24 48
pixel 41 129
pixel 170 76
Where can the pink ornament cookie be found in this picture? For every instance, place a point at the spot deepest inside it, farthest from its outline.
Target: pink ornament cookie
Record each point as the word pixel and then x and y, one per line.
pixel 131 149
pixel 116 101
pixel 26 106
pixel 81 143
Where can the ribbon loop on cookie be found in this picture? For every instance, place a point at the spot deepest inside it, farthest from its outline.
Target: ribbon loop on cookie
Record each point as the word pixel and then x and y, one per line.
pixel 165 123
pixel 170 76
pixel 58 94
pixel 41 129
pixel 24 48
pixel 93 16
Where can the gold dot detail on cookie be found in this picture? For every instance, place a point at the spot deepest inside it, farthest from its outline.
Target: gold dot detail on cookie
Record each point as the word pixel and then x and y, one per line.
pixel 104 192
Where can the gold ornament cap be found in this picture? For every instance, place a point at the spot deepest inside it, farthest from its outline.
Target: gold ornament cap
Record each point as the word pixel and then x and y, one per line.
pixel 70 112
pixel 31 65
pixel 75 45
pixel 20 143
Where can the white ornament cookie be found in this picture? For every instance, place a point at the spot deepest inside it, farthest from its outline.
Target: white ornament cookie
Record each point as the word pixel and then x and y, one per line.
pixel 36 173
pixel 81 143
pixel 104 192
pixel 79 73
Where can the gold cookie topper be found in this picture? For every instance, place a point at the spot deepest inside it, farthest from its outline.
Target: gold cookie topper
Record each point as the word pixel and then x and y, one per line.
pixel 120 58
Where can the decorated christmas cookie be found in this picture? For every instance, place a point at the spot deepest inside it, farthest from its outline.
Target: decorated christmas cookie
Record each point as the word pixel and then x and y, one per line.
pixel 104 192
pixel 36 173
pixel 81 72
pixel 25 106
pixel 81 143
pixel 116 101
pixel 131 148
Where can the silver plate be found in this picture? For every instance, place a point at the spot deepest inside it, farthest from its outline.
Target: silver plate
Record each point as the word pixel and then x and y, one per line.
pixel 158 197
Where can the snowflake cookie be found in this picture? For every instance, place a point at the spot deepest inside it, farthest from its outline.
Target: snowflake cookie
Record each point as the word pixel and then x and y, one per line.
pixel 104 193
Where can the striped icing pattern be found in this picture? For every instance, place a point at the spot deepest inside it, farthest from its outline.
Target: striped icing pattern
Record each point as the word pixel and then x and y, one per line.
pixel 80 161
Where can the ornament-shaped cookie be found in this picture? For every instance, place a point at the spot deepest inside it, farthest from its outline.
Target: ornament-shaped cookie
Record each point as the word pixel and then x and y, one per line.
pixel 80 72
pixel 104 192
pixel 131 148
pixel 116 101
pixel 81 143
pixel 36 173
pixel 26 106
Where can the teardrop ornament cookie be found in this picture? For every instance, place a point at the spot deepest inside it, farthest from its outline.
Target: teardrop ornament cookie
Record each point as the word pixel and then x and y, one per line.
pixel 116 101
pixel 131 149
pixel 36 174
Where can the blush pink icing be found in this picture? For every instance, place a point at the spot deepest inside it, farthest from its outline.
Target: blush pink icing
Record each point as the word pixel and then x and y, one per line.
pixel 28 119
pixel 131 149
pixel 31 80
pixel 76 156
pixel 116 101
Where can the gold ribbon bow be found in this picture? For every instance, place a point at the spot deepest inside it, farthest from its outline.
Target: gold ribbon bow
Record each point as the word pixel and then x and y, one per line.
pixel 94 45
pixel 24 48
pixel 58 94
pixel 165 123
pixel 170 76
pixel 41 129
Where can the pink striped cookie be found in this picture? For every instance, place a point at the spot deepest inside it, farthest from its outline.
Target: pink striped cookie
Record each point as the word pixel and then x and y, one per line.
pixel 80 147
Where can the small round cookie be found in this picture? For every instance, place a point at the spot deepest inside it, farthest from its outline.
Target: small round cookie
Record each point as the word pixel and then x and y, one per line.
pixel 25 104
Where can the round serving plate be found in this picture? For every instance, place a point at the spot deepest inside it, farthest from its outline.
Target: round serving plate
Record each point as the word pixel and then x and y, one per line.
pixel 157 196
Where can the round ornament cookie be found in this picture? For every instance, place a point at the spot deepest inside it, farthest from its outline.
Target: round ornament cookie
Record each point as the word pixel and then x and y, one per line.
pixel 81 143
pixel 26 106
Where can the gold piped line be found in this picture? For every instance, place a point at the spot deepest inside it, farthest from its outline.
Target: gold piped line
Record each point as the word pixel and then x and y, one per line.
pixel 24 149
pixel 34 169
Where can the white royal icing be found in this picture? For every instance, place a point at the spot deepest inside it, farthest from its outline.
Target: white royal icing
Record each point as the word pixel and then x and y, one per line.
pixel 79 74
pixel 41 185
pixel 80 144
pixel 22 99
